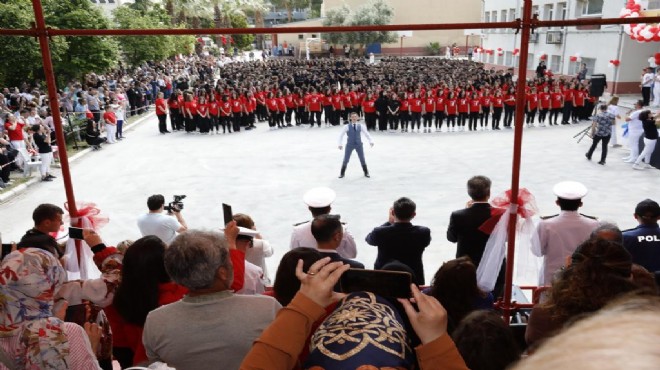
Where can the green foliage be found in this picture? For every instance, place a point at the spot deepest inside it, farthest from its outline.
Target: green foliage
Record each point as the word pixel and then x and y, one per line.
pixel 141 6
pixel 336 17
pixel 289 5
pixel 373 13
pixel 433 48
pixel 241 41
pixel 316 8
pixel 72 56
pixel 137 50
pixel 183 44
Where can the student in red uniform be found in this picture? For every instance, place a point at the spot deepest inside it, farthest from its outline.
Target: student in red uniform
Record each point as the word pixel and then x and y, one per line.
pixel 509 106
pixel 204 116
pixel 544 105
pixel 161 113
pixel 251 108
pixel 190 113
pixel 451 109
pixel 236 111
pixel 486 102
pixel 474 107
pixel 214 111
pixel 532 99
pixel 569 93
pixel 271 105
pixel 462 103
pixel 404 112
pixel 301 107
pixel 173 105
pixel 281 109
pixel 579 98
pixel 416 111
pixel 428 110
pixel 556 105
pixel 314 106
pixel 262 111
pixel 327 106
pixel 498 104
pixel 369 111
pixel 338 107
pixel 348 104
pixel 290 106
pixel 439 109
pixel 225 114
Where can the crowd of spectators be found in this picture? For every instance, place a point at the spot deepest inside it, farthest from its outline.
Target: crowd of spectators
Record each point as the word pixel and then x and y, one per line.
pixel 189 301
pixel 99 104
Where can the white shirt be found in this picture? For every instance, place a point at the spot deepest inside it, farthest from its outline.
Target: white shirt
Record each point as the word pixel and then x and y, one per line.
pixel 363 131
pixel 160 225
pixel 253 280
pixel 647 79
pixel 557 238
pixel 257 256
pixel 635 125
pixel 651 61
pixel 302 237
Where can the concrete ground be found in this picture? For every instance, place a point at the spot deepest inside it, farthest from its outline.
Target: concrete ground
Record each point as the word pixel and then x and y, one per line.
pixel 265 173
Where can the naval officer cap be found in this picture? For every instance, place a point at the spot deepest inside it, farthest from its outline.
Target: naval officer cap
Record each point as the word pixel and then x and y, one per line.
pixel 570 190
pixel 320 197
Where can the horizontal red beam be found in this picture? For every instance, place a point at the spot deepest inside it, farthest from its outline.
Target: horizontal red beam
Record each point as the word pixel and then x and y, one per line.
pixel 321 29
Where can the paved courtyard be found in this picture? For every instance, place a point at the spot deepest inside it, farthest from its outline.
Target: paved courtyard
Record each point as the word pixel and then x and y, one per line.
pixel 265 173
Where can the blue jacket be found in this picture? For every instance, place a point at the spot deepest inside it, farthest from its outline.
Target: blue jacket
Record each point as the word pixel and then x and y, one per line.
pixel 643 243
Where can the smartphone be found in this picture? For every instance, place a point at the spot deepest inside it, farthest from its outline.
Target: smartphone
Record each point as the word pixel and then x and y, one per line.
pixel 393 284
pixel 226 210
pixel 6 249
pixel 76 233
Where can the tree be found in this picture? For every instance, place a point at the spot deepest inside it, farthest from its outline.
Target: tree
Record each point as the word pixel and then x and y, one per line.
pixel 84 54
pixel 137 50
pixel 336 17
pixel 289 5
pixel 316 8
pixel 373 13
pixel 141 6
pixel 241 41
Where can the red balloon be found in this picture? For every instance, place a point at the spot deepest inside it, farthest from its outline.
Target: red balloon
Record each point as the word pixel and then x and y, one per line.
pixel 657 60
pixel 656 37
pixel 657 55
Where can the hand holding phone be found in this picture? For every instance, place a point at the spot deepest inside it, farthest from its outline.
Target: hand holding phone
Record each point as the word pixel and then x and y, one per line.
pixel 394 284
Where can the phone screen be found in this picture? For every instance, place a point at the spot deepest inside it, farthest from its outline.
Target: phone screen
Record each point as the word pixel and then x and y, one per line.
pixel 226 210
pixel 76 233
pixel 393 284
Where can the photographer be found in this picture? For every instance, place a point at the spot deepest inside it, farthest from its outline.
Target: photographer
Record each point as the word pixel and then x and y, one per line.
pixel 160 225
pixel 41 137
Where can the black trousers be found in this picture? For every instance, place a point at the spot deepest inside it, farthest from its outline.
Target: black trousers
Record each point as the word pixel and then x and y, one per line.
pixel 416 117
pixel 596 140
pixel 566 113
pixel 327 109
pixel 439 118
pixel 485 112
pixel 382 121
pixel 531 114
pixel 404 118
pixel 315 116
pixel 509 114
pixel 394 121
pixel 554 114
pixel 462 117
pixel 451 120
pixel 6 170
pixel 370 119
pixel 428 119
pixel 174 113
pixel 646 95
pixel 543 112
pixel 289 113
pixel 162 123
pixel 236 122
pixel 497 116
pixel 473 118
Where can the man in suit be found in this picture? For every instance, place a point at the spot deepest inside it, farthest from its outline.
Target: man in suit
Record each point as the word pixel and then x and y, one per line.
pixel 400 240
pixel 329 232
pixel 354 132
pixel 464 224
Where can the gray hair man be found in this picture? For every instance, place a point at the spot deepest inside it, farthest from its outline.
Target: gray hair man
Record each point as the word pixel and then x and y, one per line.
pixel 210 325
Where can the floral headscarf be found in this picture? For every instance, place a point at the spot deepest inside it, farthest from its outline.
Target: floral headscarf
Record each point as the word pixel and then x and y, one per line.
pixel 29 279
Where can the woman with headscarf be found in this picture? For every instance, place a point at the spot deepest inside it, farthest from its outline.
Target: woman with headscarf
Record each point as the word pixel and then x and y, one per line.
pixel 31 336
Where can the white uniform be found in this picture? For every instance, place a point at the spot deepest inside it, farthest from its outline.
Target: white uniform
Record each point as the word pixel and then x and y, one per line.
pixel 635 131
pixel 302 237
pixel 557 238
pixel 257 256
pixel 253 280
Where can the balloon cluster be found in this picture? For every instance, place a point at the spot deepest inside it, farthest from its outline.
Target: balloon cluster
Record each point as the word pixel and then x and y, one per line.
pixel 614 63
pixel 516 51
pixel 638 31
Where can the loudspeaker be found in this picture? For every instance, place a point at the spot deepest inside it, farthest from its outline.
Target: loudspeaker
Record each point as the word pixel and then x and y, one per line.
pixel 598 85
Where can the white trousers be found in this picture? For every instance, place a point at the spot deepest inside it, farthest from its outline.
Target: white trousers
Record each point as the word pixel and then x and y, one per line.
pixel 649 147
pixel 633 143
pixel 613 138
pixel 110 132
pixel 46 159
pixel 19 144
pixel 656 95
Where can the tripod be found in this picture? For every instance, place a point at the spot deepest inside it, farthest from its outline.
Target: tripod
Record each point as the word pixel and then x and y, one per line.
pixel 585 132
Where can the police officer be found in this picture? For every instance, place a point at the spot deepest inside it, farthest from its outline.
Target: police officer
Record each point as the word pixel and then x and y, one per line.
pixel 318 201
pixel 643 242
pixel 558 236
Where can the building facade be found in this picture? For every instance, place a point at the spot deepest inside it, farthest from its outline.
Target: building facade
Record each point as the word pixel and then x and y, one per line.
pixel 107 6
pixel 566 47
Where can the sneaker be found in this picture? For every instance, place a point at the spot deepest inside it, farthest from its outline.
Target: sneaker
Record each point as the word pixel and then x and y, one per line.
pixel 601 163
pixel 51 176
pixel 43 179
pixel 638 166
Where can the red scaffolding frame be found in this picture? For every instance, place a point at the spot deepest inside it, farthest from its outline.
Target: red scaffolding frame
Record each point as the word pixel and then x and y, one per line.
pixel 525 26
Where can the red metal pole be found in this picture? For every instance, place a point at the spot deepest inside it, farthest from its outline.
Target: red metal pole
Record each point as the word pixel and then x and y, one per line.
pixel 517 149
pixel 42 35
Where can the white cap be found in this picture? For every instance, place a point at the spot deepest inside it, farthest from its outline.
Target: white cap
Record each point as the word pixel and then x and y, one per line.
pixel 320 197
pixel 571 190
pixel 247 232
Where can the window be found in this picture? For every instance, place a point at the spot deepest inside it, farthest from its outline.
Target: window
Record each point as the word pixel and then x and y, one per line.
pixel 574 67
pixel 486 19
pixel 503 19
pixel 111 1
pixel 491 58
pixel 102 1
pixel 530 61
pixel 548 13
pixel 555 61
pixel 500 59
pixel 562 11
pixel 512 17
pixel 314 35
pixel 508 58
pixel 535 10
pixel 591 7
pixel 300 37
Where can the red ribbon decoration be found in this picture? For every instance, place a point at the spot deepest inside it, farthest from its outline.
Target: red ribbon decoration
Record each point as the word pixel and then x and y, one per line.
pixel 91 213
pixel 500 205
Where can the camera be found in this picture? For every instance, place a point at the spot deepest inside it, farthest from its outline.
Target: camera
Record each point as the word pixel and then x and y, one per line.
pixel 176 205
